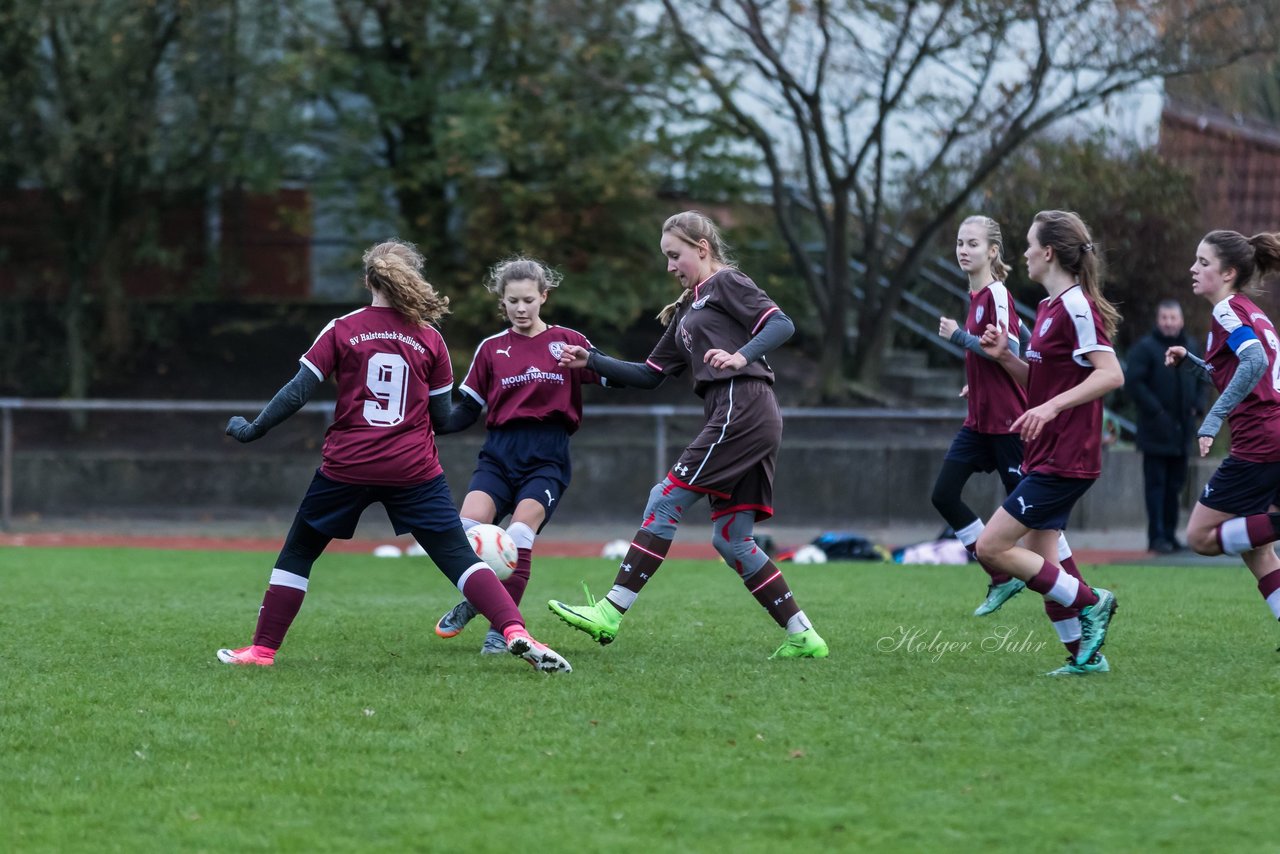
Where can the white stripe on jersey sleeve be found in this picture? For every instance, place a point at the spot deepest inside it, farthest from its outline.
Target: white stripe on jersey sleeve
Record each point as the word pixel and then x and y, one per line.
pixel 471 393
pixel 1230 321
pixel 1000 297
pixel 1226 318
pixel 463 387
pixel 327 327
pixel 313 368
pixel 1077 305
pixel 444 389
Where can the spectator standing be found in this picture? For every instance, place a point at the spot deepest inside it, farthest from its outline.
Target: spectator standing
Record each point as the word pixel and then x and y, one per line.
pixel 1170 403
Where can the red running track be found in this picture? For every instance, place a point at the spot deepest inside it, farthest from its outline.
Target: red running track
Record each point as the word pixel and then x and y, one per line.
pixel 546 548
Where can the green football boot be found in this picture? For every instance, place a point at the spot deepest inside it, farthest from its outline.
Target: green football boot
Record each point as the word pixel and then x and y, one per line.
pixel 598 619
pixel 1094 622
pixel 806 644
pixel 997 595
pixel 1097 664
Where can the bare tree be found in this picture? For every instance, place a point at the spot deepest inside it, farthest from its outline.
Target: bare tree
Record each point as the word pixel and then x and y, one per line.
pixel 875 118
pixel 110 109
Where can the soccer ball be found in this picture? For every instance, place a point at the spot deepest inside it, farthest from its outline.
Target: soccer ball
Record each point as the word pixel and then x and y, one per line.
pixel 615 549
pixel 809 554
pixel 495 547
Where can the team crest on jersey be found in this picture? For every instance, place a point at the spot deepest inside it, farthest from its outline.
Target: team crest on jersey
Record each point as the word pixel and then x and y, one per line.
pixel 557 349
pixel 699 303
pixel 1044 327
pixel 685 338
pixel 977 315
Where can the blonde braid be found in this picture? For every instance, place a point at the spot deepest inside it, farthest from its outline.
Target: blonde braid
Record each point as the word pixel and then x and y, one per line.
pixel 394 269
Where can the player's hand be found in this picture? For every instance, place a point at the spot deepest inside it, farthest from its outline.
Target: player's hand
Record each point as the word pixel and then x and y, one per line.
pixel 724 361
pixel 946 326
pixel 242 430
pixel 1030 424
pixel 994 341
pixel 573 356
pixel 964 392
pixel 1173 357
pixel 1206 442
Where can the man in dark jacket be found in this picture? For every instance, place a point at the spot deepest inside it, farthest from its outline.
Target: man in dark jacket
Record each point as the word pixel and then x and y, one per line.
pixel 1170 404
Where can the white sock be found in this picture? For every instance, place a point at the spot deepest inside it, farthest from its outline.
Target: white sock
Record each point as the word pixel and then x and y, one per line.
pixel 968 535
pixel 522 534
pixel 1068 630
pixel 1234 534
pixel 1273 602
pixel 621 598
pixel 284 578
pixel 798 622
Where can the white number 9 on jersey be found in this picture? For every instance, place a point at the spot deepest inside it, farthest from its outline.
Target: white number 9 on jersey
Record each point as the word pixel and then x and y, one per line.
pixel 388 380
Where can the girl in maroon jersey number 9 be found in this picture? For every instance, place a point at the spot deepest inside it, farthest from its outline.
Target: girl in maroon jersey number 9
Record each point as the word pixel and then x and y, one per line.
pixel 394 379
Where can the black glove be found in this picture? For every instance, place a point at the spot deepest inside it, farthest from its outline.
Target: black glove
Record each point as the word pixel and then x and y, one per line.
pixel 244 431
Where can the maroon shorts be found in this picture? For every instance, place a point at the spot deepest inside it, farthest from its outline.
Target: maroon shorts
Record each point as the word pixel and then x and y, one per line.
pixel 733 458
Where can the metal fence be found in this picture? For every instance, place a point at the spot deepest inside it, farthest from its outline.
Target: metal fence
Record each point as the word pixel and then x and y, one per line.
pixel 658 418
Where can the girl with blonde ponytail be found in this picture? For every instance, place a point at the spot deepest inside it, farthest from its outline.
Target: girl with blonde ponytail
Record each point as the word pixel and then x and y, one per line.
pixel 719 330
pixel 394 379
pixel 986 441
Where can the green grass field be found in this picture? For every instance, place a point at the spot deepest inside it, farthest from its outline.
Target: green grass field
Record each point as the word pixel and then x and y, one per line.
pixel 120 731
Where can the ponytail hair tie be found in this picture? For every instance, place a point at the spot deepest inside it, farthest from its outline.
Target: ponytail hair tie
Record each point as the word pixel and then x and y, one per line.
pixel 1088 247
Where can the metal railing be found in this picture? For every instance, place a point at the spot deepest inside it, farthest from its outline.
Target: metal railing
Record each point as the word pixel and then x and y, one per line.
pixel 660 415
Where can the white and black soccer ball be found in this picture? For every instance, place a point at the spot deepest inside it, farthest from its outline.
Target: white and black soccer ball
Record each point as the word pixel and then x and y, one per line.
pixel 494 546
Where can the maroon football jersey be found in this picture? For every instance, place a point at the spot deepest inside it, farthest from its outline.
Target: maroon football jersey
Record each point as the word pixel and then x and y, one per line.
pixel 386 368
pixel 520 379
pixel 725 311
pixel 995 398
pixel 1255 422
pixel 1067 329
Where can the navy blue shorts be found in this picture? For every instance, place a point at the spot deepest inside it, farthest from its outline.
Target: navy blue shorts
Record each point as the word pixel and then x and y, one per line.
pixel 1242 488
pixel 998 452
pixel 1043 502
pixel 334 508
pixel 527 460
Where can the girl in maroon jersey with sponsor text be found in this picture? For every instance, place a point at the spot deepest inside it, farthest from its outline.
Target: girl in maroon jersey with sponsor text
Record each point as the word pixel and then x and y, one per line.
pixel 534 405
pixel 1237 511
pixel 394 380
pixel 719 330
pixel 1069 366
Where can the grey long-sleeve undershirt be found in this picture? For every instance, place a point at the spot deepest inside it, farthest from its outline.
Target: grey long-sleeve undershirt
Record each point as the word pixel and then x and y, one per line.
pixel 776 330
pixel 1252 367
pixel 624 374
pixel 447 418
pixel 294 394
pixel 291 397
pixel 964 339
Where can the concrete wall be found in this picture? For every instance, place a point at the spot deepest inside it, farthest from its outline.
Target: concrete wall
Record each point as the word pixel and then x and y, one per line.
pixel 836 482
